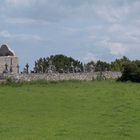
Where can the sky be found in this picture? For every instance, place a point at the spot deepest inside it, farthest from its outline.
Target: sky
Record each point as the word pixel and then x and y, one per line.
pixel 84 29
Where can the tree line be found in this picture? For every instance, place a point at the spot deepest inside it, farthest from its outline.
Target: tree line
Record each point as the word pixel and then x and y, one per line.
pixel 64 64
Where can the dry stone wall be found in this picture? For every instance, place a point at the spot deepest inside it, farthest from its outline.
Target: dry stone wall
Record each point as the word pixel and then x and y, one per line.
pixel 69 76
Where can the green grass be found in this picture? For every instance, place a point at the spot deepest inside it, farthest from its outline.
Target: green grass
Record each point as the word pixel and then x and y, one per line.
pixel 74 110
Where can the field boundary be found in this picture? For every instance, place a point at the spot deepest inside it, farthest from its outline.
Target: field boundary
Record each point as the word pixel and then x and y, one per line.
pixel 64 76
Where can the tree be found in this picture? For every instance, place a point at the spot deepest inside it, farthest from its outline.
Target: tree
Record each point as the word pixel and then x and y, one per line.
pixel 90 66
pixel 131 72
pixel 119 64
pixel 102 66
pixel 61 63
pixel 41 65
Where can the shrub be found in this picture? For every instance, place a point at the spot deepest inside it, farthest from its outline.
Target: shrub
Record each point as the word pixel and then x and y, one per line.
pixel 131 72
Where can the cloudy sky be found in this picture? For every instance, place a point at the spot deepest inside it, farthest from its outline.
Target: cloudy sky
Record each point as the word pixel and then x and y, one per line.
pixel 84 29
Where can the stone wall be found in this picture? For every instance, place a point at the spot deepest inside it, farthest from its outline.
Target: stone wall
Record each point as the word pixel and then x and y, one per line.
pixel 70 76
pixel 11 62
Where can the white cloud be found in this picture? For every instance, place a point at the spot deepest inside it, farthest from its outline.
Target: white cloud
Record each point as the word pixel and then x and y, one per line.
pixel 104 28
pixel 25 21
pixel 5 34
pixel 117 49
pixel 20 37
pixel 17 3
pixel 90 57
pixel 54 10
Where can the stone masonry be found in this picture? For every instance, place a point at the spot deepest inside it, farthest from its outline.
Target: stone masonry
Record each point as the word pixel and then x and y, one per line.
pixel 63 76
pixel 8 61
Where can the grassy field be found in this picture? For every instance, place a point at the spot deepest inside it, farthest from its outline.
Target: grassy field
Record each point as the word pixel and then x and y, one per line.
pixel 101 110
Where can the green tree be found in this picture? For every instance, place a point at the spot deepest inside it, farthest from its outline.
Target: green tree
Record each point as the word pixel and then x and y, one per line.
pixel 102 66
pixel 131 72
pixel 90 66
pixel 119 64
pixel 41 65
pixel 61 63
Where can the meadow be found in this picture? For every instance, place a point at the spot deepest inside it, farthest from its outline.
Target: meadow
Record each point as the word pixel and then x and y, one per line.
pixel 70 110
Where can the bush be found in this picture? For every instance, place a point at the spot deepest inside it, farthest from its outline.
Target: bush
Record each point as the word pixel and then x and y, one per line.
pixel 131 72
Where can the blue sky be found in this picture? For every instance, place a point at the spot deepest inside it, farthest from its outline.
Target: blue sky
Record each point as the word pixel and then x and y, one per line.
pixel 84 29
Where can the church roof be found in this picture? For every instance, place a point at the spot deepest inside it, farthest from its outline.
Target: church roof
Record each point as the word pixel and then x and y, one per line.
pixel 6 51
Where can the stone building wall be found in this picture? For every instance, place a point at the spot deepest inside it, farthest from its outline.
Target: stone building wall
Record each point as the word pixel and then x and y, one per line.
pixel 11 62
pixel 60 77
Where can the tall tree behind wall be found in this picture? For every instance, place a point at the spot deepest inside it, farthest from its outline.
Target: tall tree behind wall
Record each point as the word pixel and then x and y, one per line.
pixel 61 63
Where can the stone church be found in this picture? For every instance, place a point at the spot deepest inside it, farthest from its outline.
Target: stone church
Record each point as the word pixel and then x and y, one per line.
pixel 8 60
